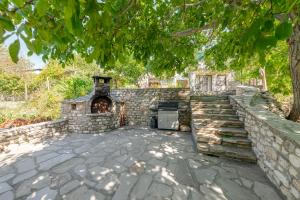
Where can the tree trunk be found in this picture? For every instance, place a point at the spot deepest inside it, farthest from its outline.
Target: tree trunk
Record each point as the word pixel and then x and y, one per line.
pixel 294 62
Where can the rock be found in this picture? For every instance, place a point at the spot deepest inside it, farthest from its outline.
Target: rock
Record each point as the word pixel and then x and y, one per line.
pixel 295 160
pixel 185 128
pixel 140 189
pixel 45 194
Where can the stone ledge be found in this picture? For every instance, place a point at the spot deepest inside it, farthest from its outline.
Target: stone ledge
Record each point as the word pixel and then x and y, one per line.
pixel 286 129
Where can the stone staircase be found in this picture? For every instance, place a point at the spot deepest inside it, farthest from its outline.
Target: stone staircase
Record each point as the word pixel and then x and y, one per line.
pixel 217 130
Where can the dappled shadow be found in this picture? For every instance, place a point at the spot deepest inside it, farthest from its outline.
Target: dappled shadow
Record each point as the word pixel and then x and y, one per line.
pixel 127 164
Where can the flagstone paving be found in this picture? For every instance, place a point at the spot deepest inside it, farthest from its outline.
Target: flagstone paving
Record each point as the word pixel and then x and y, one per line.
pixel 126 164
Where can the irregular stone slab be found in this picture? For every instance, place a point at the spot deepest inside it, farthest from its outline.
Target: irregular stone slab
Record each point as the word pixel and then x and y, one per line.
pixel 165 176
pixel 126 183
pixel 6 177
pixel 46 165
pixel 247 183
pixel 60 179
pixel 7 196
pixel 67 165
pixel 82 193
pixel 195 195
pixel 140 189
pixel 80 170
pixel 232 190
pixel 45 157
pixel 194 164
pixel 69 186
pixel 25 165
pixel 23 189
pixel 44 194
pixel 212 192
pixel 24 176
pixel 40 181
pixel 4 187
pixel 108 184
pixel 265 192
pixel 157 163
pixel 160 190
pixel 205 175
pixel 4 170
pixel 99 173
pixel 181 192
pixel 183 174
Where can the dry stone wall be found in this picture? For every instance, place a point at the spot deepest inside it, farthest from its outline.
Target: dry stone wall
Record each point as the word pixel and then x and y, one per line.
pixel 276 143
pixel 32 133
pixel 140 104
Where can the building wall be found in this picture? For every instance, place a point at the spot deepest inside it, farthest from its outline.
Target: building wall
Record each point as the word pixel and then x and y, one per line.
pixel 276 143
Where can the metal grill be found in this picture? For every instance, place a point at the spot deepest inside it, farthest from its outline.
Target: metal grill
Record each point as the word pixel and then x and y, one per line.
pixel 168 115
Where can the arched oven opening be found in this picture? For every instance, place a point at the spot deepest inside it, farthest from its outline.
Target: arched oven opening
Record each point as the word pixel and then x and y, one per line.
pixel 101 105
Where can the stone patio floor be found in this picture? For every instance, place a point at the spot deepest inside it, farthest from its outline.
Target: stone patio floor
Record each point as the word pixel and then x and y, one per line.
pixel 126 164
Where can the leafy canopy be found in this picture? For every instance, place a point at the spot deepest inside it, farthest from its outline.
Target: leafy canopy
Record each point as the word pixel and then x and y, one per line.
pixel 164 34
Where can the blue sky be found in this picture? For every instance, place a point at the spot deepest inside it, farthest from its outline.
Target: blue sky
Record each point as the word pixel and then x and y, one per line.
pixel 34 59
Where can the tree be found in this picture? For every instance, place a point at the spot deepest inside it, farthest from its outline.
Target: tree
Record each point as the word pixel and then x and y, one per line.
pixel 163 34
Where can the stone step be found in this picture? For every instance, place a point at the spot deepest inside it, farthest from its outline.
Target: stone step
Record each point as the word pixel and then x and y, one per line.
pixel 226 151
pixel 210 105
pixel 199 123
pixel 241 142
pixel 222 101
pixel 211 138
pixel 238 132
pixel 209 98
pixel 215 116
pixel 213 111
pixel 210 102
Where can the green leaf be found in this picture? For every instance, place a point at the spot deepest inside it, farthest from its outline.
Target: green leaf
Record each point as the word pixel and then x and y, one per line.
pixel 18 3
pixel 14 49
pixel 42 7
pixel 283 30
pixel 6 24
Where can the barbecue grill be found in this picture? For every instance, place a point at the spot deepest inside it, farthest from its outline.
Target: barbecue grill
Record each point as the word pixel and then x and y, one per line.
pixel 168 115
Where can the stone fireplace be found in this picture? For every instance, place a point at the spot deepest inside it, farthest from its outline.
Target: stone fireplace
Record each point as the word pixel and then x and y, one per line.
pixel 93 113
pixel 101 100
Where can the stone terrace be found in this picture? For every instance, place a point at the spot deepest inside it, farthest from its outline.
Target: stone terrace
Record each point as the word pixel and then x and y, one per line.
pixel 126 164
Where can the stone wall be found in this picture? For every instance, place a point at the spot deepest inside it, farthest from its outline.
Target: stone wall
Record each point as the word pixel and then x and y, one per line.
pixel 32 133
pixel 276 143
pixel 140 104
